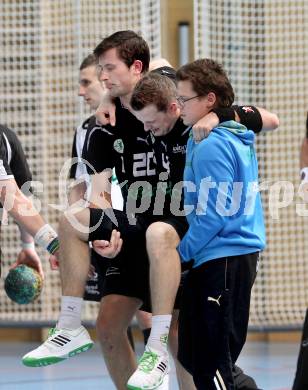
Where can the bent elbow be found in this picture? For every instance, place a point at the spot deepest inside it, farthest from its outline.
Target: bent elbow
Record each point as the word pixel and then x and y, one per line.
pixel 275 121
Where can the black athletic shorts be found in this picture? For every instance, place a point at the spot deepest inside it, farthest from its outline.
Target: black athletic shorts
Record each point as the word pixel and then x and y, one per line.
pixel 94 285
pixel 214 317
pixel 128 273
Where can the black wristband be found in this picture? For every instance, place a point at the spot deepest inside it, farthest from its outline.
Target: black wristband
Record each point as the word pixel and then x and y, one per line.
pixel 307 126
pixel 250 117
pixel 224 114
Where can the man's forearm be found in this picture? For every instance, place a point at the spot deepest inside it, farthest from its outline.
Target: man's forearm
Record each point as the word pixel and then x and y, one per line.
pixel 24 213
pixel 25 237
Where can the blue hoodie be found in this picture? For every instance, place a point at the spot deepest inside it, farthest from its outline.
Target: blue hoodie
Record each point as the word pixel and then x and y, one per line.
pixel 222 202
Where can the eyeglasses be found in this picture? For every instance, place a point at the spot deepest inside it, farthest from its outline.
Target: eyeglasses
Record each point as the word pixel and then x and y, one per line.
pixel 181 100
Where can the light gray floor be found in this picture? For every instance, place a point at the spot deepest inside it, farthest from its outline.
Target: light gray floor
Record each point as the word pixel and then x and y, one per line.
pixel 271 364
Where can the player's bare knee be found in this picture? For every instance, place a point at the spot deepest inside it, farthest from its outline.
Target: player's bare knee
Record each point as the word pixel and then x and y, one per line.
pixel 161 236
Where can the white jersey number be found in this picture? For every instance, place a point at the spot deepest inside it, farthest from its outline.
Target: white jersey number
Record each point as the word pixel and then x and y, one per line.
pixel 144 164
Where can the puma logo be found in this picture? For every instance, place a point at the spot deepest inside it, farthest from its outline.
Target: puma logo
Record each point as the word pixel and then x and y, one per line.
pixel 211 299
pixel 71 307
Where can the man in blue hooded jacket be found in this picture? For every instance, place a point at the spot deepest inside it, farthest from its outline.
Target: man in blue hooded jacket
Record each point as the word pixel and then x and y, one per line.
pixel 226 231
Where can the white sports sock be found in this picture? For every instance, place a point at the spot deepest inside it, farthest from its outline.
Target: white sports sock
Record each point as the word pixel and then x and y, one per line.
pixel 159 333
pixel 70 315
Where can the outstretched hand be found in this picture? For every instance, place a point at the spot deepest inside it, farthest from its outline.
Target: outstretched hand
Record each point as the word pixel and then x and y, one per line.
pixel 109 249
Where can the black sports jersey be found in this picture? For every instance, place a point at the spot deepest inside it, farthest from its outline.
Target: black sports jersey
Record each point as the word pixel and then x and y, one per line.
pixel 170 151
pixel 13 162
pixel 5 170
pixel 170 154
pixel 124 147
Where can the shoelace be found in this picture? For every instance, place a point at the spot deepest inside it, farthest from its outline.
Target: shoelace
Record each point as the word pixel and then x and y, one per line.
pixel 56 339
pixel 147 361
pixel 51 332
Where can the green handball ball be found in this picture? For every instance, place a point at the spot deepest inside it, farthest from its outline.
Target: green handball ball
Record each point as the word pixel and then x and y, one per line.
pixel 23 284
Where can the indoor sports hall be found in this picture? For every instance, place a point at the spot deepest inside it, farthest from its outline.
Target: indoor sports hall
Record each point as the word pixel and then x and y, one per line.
pixel 263 45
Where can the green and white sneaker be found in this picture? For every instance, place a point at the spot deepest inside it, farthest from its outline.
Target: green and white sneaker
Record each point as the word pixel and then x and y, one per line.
pixel 60 345
pixel 152 368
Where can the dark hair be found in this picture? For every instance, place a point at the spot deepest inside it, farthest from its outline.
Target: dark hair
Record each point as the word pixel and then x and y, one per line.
pixel 153 89
pixel 130 47
pixel 90 60
pixel 207 76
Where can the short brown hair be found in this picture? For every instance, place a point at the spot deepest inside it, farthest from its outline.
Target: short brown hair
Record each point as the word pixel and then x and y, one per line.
pixel 130 47
pixel 153 89
pixel 89 60
pixel 207 76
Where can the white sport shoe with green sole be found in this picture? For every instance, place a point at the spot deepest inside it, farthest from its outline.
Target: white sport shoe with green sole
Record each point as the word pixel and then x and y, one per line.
pixel 60 345
pixel 152 369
